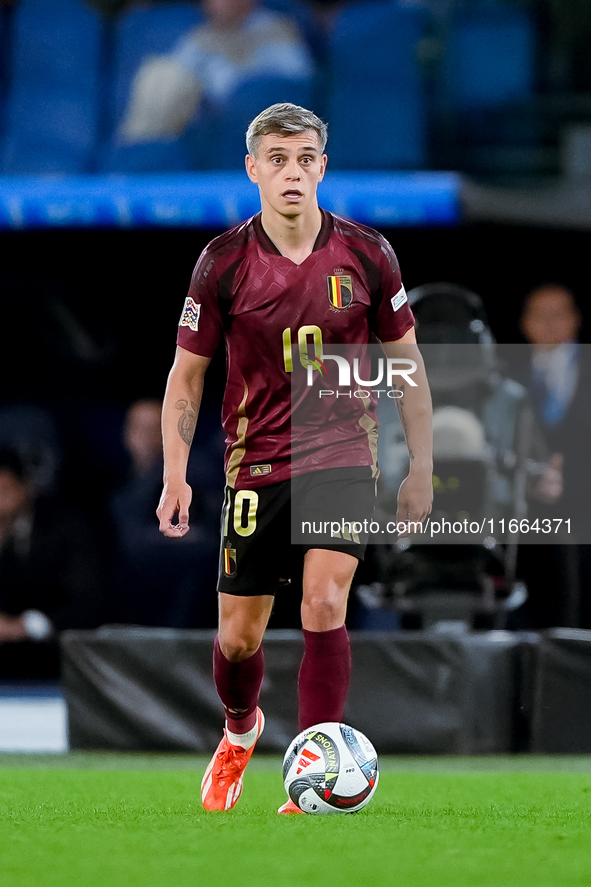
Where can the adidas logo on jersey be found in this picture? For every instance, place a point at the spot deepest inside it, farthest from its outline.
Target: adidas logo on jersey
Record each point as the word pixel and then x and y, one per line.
pixel 256 470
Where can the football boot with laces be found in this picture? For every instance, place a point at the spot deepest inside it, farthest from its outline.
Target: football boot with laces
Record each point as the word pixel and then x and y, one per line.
pixel 221 785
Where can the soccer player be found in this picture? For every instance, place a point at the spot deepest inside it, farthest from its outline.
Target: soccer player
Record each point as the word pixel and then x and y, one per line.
pixel 292 274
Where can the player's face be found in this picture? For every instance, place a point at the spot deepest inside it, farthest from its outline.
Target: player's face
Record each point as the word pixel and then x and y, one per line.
pixel 287 170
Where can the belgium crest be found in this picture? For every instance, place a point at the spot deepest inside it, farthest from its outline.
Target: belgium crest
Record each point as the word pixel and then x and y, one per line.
pixel 229 557
pixel 340 290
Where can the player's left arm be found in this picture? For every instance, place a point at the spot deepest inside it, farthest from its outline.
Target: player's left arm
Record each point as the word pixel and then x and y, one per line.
pixel 415 496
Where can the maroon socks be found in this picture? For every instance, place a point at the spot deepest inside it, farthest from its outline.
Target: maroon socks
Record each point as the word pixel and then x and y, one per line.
pixel 239 686
pixel 324 676
pixel 323 681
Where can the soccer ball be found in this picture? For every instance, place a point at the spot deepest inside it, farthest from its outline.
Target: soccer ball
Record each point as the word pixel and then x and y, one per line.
pixel 330 768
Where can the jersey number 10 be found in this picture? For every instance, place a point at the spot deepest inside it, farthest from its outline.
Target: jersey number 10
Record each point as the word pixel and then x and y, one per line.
pixel 303 345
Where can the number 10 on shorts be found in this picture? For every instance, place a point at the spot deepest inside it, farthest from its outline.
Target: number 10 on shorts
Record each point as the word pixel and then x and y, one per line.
pixel 243 510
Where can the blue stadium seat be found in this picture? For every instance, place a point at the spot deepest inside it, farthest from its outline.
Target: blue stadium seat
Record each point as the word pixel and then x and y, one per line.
pixel 142 31
pixel 54 103
pixel 159 157
pixel 226 127
pixel 304 18
pixel 488 85
pixel 490 55
pixel 4 31
pixel 56 134
pixel 376 107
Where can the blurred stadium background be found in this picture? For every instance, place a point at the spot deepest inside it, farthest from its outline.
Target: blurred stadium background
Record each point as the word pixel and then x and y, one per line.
pixel 460 128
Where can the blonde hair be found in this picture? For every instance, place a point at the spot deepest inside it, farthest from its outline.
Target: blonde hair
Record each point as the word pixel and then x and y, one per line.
pixel 284 119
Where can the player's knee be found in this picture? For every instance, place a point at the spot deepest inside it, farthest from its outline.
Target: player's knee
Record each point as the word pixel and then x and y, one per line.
pixel 321 608
pixel 236 648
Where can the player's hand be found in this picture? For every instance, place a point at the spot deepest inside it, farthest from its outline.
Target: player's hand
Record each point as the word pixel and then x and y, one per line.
pixel 415 498
pixel 174 503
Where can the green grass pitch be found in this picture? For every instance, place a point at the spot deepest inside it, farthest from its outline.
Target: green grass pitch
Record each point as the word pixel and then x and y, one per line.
pixel 102 820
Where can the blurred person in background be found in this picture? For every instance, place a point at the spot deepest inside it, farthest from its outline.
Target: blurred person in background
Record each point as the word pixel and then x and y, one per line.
pixel 557 373
pixel 51 578
pixel 156 586
pixel 142 437
pixel 239 40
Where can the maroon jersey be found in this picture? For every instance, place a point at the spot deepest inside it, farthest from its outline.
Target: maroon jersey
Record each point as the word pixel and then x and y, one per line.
pixel 262 304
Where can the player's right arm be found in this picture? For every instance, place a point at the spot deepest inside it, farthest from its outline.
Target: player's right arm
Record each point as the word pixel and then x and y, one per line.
pixel 180 409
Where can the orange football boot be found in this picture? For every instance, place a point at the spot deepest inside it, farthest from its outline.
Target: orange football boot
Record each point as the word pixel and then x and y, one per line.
pixel 221 785
pixel 290 807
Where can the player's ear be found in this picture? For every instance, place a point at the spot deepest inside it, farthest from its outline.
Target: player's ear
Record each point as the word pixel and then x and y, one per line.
pixel 323 162
pixel 250 169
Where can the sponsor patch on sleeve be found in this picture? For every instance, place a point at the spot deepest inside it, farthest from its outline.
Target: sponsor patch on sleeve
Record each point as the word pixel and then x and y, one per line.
pixel 190 315
pixel 399 299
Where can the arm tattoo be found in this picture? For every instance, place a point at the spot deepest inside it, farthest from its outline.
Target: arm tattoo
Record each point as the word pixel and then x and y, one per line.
pixel 188 420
